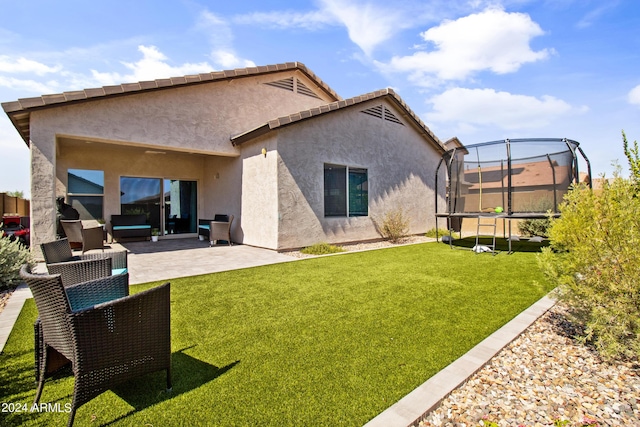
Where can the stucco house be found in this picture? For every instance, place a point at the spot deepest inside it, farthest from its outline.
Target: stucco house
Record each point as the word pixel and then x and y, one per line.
pixel 273 145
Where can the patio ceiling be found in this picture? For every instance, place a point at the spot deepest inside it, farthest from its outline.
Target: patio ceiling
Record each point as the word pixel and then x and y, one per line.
pixel 74 143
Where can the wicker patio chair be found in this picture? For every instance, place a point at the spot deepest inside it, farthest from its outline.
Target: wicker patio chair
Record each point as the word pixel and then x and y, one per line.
pixel 86 237
pixel 108 343
pixel 73 272
pixel 219 230
pixel 93 290
pixel 59 251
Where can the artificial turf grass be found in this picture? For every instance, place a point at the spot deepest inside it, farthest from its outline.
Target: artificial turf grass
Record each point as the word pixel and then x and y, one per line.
pixel 325 341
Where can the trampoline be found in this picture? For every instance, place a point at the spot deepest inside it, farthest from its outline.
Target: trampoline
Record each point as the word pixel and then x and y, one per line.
pixel 511 179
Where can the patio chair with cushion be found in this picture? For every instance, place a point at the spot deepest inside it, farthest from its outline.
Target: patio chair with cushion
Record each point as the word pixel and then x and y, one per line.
pixel 59 251
pixel 93 290
pixel 86 238
pixel 220 230
pixel 107 343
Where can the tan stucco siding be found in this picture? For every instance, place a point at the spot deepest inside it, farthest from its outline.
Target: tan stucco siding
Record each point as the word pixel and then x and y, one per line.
pixel 401 170
pixel 222 185
pixel 260 220
pixel 199 118
pixel 43 187
pixel 118 161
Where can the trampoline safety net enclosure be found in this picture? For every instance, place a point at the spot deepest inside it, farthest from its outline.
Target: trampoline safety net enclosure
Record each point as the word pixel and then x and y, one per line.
pixel 523 178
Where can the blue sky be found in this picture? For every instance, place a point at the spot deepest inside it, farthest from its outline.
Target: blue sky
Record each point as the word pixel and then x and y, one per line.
pixel 479 70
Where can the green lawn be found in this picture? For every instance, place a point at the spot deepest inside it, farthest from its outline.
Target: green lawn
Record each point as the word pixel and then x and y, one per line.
pixel 325 342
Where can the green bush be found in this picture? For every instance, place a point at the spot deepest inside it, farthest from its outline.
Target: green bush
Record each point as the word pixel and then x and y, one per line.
pixel 394 225
pixel 539 226
pixel 441 232
pixel 322 249
pixel 595 259
pixel 13 255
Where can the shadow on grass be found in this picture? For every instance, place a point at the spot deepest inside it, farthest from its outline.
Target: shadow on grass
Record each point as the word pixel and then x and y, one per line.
pixel 502 245
pixel 188 373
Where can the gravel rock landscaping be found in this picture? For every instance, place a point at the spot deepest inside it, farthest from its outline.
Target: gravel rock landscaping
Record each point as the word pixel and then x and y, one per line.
pixel 4 297
pixel 542 377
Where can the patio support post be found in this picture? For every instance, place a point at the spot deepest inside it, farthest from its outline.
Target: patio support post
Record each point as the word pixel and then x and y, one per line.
pixel 43 189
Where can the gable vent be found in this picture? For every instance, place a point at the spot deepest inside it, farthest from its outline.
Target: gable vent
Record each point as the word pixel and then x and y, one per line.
pixel 293 86
pixel 283 84
pixel 381 112
pixel 304 90
pixel 374 111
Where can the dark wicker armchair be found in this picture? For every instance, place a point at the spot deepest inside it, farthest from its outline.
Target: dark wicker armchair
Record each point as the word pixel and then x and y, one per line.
pixel 107 343
pixel 59 259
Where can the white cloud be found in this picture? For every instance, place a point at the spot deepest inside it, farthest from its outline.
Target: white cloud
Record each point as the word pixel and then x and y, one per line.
pixel 228 60
pixel 596 14
pixel 634 96
pixel 367 24
pixel 153 65
pixel 313 20
pixel 221 39
pixel 28 85
pixel 486 107
pixel 25 69
pixel 24 65
pixel 491 40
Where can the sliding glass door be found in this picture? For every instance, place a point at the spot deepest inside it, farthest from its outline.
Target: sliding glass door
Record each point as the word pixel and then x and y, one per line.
pixel 170 205
pixel 180 206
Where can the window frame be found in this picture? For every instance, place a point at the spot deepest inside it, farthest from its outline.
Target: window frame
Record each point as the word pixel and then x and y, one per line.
pixel 349 194
pixel 75 196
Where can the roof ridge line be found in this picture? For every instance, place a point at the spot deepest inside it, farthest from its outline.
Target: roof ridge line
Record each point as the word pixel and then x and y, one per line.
pixel 336 105
pixel 19 110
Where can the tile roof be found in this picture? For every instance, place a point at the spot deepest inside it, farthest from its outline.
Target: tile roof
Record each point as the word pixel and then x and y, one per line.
pixel 523 174
pixel 338 105
pixel 19 111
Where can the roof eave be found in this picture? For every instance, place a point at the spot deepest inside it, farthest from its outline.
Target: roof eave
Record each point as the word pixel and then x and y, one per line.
pixel 422 128
pixel 240 139
pixel 19 111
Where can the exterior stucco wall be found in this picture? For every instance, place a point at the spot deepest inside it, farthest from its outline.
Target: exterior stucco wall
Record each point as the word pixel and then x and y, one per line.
pixel 260 220
pixel 401 174
pixel 198 119
pixel 43 188
pixel 222 186
pixel 117 161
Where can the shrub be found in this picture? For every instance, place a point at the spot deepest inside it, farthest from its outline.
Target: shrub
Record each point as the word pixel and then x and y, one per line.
pixel 539 226
pixel 633 156
pixel 394 225
pixel 322 249
pixel 13 255
pixel 441 232
pixel 595 260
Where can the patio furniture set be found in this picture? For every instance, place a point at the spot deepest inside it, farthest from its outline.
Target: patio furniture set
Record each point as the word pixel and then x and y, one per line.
pixel 88 320
pixel 87 237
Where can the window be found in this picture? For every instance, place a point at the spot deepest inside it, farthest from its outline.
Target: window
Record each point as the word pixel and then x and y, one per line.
pixel 170 205
pixel 346 191
pixel 85 192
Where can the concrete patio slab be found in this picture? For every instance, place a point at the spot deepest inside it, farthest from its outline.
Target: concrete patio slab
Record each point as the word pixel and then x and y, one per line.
pixel 173 258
